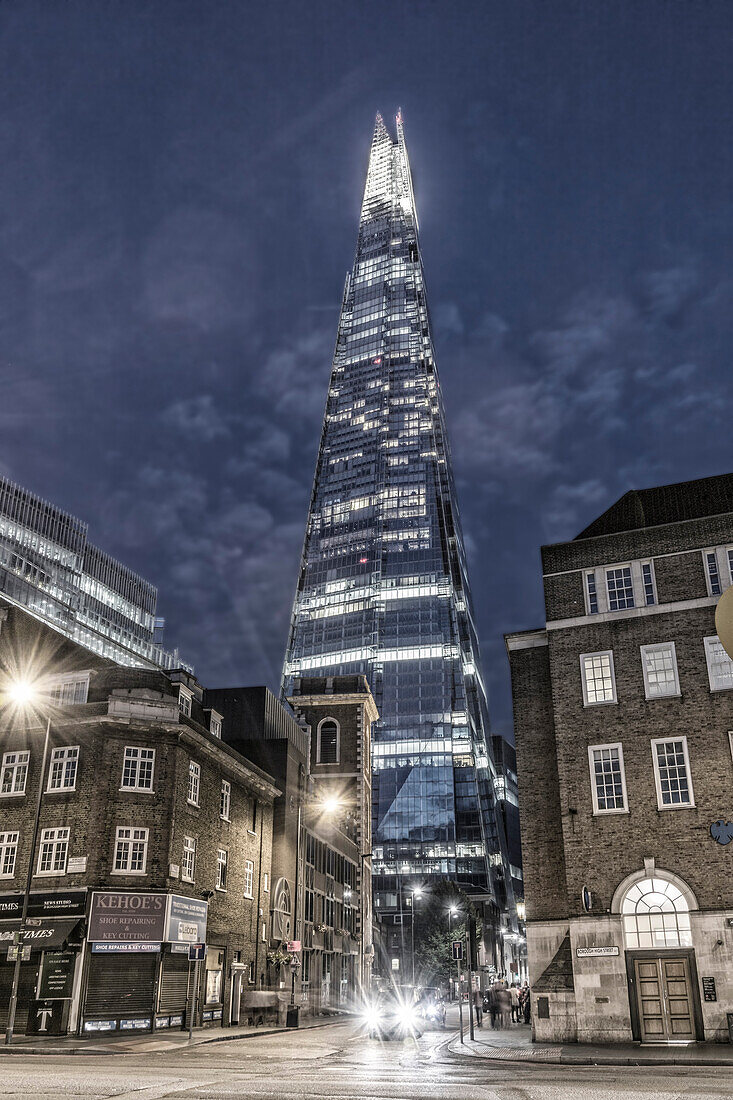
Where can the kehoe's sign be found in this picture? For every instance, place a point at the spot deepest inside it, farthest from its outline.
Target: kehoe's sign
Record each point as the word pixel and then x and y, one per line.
pixel 127 918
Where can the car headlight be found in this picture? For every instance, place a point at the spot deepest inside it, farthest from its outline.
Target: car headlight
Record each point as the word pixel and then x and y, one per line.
pixel 407 1017
pixel 371 1017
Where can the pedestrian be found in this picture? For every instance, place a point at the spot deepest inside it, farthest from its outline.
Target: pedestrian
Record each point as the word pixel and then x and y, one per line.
pixel 494 1007
pixel 524 998
pixel 505 1005
pixel 478 1004
pixel 514 993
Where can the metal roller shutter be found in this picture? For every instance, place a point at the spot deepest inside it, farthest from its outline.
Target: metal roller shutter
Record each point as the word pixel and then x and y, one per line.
pixel 120 985
pixel 174 983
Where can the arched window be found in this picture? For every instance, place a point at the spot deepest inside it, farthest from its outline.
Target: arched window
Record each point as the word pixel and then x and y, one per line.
pixel 328 741
pixel 656 914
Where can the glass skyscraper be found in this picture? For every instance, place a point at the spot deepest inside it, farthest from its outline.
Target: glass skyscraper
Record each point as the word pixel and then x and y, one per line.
pixel 48 567
pixel 383 584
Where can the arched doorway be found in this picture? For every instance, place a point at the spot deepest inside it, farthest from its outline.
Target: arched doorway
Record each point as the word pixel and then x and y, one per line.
pixel 655 911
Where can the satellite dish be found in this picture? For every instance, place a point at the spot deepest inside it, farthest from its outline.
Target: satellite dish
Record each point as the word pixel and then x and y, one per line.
pixel 724 621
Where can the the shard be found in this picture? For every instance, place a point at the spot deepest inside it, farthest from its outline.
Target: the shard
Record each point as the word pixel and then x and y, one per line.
pixel 383 584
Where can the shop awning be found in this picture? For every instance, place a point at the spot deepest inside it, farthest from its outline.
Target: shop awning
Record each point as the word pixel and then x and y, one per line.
pixel 42 932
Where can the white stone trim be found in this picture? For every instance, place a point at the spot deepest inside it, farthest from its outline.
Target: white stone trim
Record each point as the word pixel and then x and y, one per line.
pixel 528 640
pixel 656 872
pixel 631 613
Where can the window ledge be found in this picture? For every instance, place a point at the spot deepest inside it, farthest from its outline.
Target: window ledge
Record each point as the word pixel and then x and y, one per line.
pixel 605 703
pixel 251 832
pixel 136 874
pixel 659 698
pixel 221 889
pixel 60 790
pixel 191 881
pixel 196 805
pixel 678 806
pixel 12 794
pixel 251 897
pixel 49 874
pixel 135 790
pixel 227 819
pixel 605 813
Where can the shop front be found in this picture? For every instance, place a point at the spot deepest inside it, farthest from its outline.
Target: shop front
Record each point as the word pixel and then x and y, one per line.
pixel 50 947
pixel 138 975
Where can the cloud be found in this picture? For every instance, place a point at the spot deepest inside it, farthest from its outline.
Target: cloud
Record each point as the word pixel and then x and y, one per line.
pixel 197 417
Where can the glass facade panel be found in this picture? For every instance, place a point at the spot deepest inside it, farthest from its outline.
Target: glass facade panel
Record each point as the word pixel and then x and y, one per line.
pixel 383 586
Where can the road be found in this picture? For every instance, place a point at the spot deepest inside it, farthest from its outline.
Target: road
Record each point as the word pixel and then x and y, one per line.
pixel 337 1062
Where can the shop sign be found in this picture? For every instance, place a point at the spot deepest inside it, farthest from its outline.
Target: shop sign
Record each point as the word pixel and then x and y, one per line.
pixel 186 921
pixel 38 932
pixel 76 865
pixel 109 947
pixel 58 903
pixel 100 1025
pixel 126 918
pixel 57 975
pixel 135 1025
pixel 595 952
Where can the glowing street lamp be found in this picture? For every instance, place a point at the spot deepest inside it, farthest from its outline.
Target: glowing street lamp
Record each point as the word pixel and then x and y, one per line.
pixel 23 695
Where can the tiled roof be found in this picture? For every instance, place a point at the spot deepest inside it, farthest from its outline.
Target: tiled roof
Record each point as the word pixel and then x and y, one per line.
pixel 707 496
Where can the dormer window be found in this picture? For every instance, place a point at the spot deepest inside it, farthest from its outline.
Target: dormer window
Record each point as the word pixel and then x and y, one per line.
pixel 64 691
pixel 215 721
pixel 184 701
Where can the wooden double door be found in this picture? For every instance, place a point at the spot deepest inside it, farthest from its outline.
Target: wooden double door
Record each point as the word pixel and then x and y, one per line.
pixel 665 999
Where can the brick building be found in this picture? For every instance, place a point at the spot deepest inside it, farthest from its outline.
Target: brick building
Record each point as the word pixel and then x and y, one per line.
pixel 322 883
pixel 623 704
pixel 153 833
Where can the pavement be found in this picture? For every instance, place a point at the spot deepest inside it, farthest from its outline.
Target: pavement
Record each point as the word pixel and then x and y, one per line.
pixel 514 1044
pixel 158 1043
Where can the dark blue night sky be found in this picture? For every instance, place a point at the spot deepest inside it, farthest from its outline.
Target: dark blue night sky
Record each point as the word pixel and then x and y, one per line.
pixel 179 193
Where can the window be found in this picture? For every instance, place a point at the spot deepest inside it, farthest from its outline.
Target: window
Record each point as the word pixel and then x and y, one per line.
pixel 729 555
pixel 659 665
pixel 225 799
pixel 131 851
pixel 194 782
pixel 14 772
pixel 328 742
pixel 184 701
pixel 137 769
pixel 221 869
pixel 608 783
pixel 266 877
pixel 254 816
pixel 66 690
pixel 8 854
pixel 672 773
pixel 54 852
pixel 720 666
pixel 656 914
pixel 647 580
pixel 599 685
pixel 713 573
pixel 592 593
pixel 188 862
pixel 249 878
pixel 62 772
pixel 214 725
pixel 620 588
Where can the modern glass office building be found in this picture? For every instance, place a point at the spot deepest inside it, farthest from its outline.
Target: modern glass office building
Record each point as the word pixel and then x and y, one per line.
pixel 383 585
pixel 48 567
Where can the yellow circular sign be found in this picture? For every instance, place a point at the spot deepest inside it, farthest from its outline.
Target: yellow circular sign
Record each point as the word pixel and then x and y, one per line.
pixel 724 621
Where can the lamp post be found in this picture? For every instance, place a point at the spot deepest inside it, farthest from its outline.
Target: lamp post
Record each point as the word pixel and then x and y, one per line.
pixel 22 694
pixel 451 914
pixel 416 895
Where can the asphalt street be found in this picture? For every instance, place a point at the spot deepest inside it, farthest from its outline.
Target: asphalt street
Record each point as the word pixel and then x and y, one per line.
pixel 339 1063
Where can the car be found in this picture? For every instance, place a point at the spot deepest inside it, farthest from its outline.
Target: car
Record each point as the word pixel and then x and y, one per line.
pixel 390 1016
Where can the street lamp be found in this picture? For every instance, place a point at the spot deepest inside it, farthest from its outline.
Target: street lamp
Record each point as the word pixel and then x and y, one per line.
pixel 416 895
pixel 22 694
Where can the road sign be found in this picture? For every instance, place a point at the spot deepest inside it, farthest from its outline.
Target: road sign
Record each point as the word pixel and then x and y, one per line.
pixel 294 946
pixel 457 950
pixel 196 952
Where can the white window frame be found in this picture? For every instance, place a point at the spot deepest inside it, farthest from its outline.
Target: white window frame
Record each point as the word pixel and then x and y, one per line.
pixel 266 877
pixel 587 576
pixel 328 718
pixel 657 779
pixel 723 565
pixel 126 837
pixel 57 839
pixel 189 849
pixel 54 689
pixel 222 869
pixel 215 724
pixel 249 878
pixel 22 760
pixel 597 811
pixel 193 792
pixel 185 700
pixel 63 756
pixel 584 685
pixel 730 742
pixel 9 844
pixel 709 642
pixel 634 594
pixel 133 754
pixel 225 800
pixel 644 602
pixel 644 649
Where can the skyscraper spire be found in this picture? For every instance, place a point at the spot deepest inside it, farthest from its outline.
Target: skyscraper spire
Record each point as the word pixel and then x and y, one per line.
pixel 383 585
